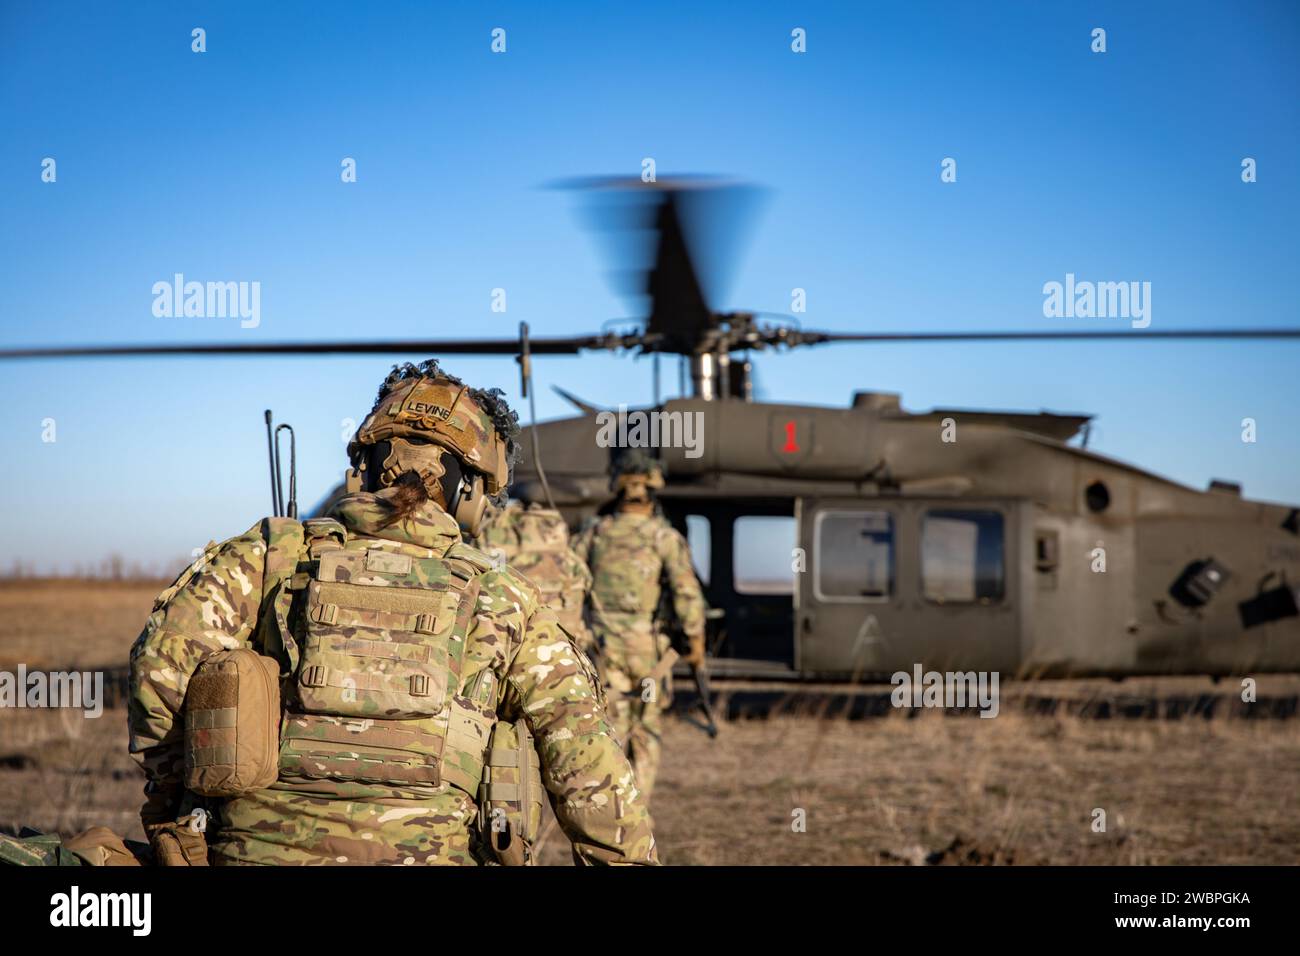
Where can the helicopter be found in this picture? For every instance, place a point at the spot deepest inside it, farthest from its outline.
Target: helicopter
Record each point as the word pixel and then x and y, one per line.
pixel 969 540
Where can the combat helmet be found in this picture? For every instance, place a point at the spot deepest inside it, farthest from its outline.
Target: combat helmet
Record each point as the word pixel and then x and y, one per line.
pixel 421 418
pixel 634 474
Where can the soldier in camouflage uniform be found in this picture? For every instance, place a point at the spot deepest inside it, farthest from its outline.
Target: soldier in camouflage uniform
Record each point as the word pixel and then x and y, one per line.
pixel 535 542
pixel 387 712
pixel 633 554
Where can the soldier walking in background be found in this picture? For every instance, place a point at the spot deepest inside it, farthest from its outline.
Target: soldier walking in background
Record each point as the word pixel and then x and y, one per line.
pixel 535 542
pixel 364 687
pixel 634 554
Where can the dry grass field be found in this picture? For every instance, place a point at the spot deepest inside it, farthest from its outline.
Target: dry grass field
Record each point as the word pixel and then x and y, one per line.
pixel 1017 789
pixel 63 624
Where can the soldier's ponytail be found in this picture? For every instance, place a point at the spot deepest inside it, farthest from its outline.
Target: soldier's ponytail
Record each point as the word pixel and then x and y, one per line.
pixel 407 497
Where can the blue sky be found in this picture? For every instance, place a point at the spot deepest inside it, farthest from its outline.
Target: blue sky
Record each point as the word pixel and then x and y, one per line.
pixel 225 166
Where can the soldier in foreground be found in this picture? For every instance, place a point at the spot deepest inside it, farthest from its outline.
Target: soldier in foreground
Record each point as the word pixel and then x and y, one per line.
pixel 535 542
pixel 634 553
pixel 419 682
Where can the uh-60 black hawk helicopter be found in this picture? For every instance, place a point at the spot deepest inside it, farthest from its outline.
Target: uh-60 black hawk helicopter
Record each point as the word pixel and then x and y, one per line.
pixel 985 553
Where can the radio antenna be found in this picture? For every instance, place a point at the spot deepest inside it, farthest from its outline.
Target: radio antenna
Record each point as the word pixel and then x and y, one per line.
pixel 270 457
pixel 291 509
pixel 525 384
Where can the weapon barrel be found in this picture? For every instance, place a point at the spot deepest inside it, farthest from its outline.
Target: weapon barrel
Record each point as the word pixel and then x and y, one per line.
pixel 701 678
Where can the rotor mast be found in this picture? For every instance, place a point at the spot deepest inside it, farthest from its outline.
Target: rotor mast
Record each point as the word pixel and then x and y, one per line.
pixel 705 376
pixel 715 374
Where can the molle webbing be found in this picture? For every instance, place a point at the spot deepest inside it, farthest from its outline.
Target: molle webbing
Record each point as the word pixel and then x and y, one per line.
pixel 388 652
pixel 518 758
pixel 219 734
pixel 383 608
pixel 416 685
pixel 511 793
pixel 392 650
pixel 394 752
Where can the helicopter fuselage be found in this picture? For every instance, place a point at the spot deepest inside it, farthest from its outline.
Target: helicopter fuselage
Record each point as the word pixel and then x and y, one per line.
pixel 859 542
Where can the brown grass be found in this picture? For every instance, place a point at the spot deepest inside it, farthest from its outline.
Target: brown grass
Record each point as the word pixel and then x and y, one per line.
pixel 63 772
pixel 1012 789
pixel 51 624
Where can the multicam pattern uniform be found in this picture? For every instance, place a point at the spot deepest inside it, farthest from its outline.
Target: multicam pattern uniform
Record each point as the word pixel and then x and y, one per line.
pixel 514 649
pixel 630 555
pixel 535 542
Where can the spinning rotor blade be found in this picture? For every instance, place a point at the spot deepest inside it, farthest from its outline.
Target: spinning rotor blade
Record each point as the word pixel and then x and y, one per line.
pixel 612 341
pixel 544 346
pixel 692 224
pixel 800 337
pixel 677 307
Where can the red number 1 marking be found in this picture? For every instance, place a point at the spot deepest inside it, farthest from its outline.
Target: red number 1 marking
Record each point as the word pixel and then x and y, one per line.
pixel 790 444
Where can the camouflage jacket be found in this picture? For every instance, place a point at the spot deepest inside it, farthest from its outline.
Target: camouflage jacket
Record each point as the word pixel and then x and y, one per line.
pixel 216 604
pixel 630 556
pixel 535 542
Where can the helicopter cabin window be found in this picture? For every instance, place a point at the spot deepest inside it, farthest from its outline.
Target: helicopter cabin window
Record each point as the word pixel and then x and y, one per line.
pixel 761 554
pixel 855 556
pixel 961 557
pixel 699 537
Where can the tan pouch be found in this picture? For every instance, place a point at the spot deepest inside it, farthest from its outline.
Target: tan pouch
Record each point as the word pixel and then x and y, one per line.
pixel 232 724
pixel 511 794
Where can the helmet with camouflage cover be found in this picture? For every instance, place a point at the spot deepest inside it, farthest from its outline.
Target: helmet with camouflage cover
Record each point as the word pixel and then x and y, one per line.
pixel 635 474
pixel 459 443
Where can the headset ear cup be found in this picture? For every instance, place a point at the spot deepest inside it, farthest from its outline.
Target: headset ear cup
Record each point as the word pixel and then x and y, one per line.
pixel 472 506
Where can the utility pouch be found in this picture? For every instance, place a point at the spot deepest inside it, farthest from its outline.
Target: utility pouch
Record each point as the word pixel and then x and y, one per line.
pixel 232 724
pixel 511 794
